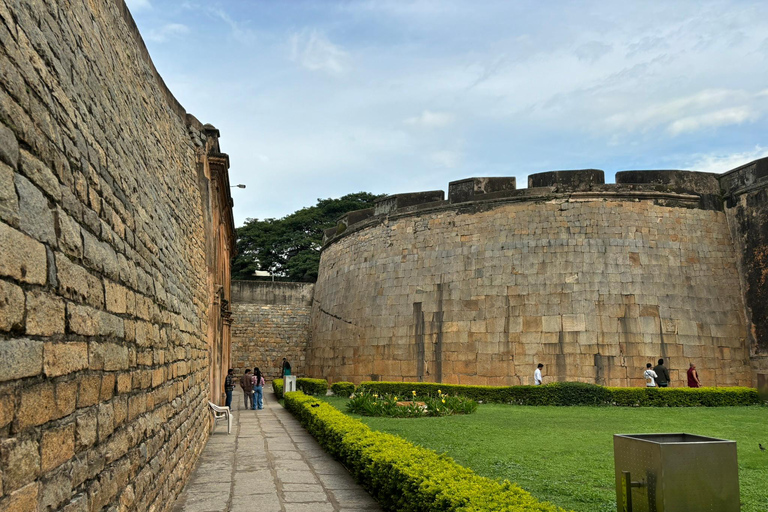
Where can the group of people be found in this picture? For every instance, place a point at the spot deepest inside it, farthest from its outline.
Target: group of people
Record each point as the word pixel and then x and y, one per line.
pixel 659 376
pixel 656 376
pixel 252 385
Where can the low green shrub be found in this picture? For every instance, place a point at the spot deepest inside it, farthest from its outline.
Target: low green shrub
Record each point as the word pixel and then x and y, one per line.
pixel 404 477
pixel 373 404
pixel 277 387
pixel 577 393
pixel 342 388
pixel 312 386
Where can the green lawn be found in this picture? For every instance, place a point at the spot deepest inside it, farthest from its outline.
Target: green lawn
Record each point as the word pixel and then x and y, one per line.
pixel 565 454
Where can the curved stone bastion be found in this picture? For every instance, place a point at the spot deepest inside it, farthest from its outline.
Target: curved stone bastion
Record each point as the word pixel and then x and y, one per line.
pixel 593 280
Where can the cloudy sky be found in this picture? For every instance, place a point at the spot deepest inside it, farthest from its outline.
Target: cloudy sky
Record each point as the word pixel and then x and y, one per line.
pixel 323 98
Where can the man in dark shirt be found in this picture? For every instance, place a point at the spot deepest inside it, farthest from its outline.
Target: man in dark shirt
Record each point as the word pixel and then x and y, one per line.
pixel 246 382
pixel 662 374
pixel 229 386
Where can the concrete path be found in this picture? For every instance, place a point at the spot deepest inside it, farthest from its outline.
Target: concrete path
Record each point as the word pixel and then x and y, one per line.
pixel 269 463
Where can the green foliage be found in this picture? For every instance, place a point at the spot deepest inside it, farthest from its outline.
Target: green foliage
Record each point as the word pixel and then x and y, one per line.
pixel 577 393
pixel 290 247
pixel 342 388
pixel 402 476
pixel 565 454
pixel 277 387
pixel 312 386
pixel 368 403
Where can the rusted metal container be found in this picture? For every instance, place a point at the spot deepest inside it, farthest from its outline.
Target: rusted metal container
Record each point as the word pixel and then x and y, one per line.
pixel 675 473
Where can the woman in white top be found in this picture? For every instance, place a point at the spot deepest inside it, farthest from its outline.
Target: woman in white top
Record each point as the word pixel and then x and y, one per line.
pixel 650 376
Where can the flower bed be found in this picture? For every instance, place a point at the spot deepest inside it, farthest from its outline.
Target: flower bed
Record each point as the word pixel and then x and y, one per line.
pixel 372 404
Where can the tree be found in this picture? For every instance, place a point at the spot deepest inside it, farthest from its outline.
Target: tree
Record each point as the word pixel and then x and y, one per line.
pixel 290 247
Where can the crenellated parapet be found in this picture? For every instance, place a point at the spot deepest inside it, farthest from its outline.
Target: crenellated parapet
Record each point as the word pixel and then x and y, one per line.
pixel 675 188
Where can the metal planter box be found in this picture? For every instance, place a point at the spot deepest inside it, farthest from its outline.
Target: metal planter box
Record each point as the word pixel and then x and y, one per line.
pixel 675 473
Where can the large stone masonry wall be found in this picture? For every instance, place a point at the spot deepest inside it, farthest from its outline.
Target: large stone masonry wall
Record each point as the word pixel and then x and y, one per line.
pixel 746 192
pixel 592 280
pixel 103 294
pixel 270 322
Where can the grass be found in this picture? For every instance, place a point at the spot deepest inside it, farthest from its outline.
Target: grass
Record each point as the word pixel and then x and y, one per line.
pixel 565 454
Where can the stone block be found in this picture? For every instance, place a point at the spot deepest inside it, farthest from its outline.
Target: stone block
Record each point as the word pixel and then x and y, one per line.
pixel 86 430
pixel 7 410
pixel 91 322
pixel 35 215
pixel 107 387
pixel 69 237
pixel 532 324
pixel 9 147
pixel 21 500
pixel 55 489
pixel 99 255
pixel 89 390
pixel 64 358
pixel 106 417
pixel 57 446
pixel 22 257
pixel 45 314
pixel 9 201
pixel 551 323
pixel 66 398
pixel 12 305
pixel 20 461
pixel 77 283
pixel 116 297
pixel 108 356
pixel 20 358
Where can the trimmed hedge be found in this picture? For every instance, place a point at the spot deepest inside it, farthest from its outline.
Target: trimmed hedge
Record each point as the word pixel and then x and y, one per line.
pixel 277 387
pixel 342 388
pixel 312 386
pixel 578 393
pixel 402 476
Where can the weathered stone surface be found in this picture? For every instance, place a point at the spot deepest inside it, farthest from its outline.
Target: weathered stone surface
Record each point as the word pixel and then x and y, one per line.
pixel 57 446
pixel 21 462
pixel 38 406
pixel 77 283
pixel 9 147
pixel 108 356
pixel 22 500
pixel 9 201
pixel 35 216
pixel 20 358
pixel 69 238
pixel 12 304
pixel 21 257
pixel 45 314
pixel 64 358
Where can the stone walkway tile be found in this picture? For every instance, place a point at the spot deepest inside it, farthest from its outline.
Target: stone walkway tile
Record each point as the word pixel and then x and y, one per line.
pixel 269 463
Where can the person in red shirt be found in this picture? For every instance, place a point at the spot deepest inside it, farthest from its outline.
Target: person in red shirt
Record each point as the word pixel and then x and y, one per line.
pixel 693 377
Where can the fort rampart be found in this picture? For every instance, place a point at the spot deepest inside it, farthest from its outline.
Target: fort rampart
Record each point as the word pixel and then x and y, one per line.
pixel 115 236
pixel 594 280
pixel 271 321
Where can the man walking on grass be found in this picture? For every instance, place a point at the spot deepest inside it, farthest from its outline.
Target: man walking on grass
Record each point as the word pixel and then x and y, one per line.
pixel 537 375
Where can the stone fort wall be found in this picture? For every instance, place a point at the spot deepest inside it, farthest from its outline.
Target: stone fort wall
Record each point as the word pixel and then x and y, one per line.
pixel 104 300
pixel 592 280
pixel 270 322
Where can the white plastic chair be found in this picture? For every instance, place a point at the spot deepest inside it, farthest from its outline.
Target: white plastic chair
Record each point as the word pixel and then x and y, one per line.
pixel 220 413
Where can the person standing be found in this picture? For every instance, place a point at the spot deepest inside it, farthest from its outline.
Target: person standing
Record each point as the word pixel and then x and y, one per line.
pixel 229 386
pixel 537 379
pixel 286 369
pixel 258 389
pixel 247 384
pixel 650 376
pixel 662 374
pixel 693 377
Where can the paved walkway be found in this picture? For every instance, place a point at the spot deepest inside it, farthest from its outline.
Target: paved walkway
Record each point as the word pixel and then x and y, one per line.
pixel 269 463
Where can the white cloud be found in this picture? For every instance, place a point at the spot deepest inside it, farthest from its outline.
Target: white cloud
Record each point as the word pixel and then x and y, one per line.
pixel 314 51
pixel 724 117
pixel 719 163
pixel 428 119
pixel 166 32
pixel 239 32
pixel 138 5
